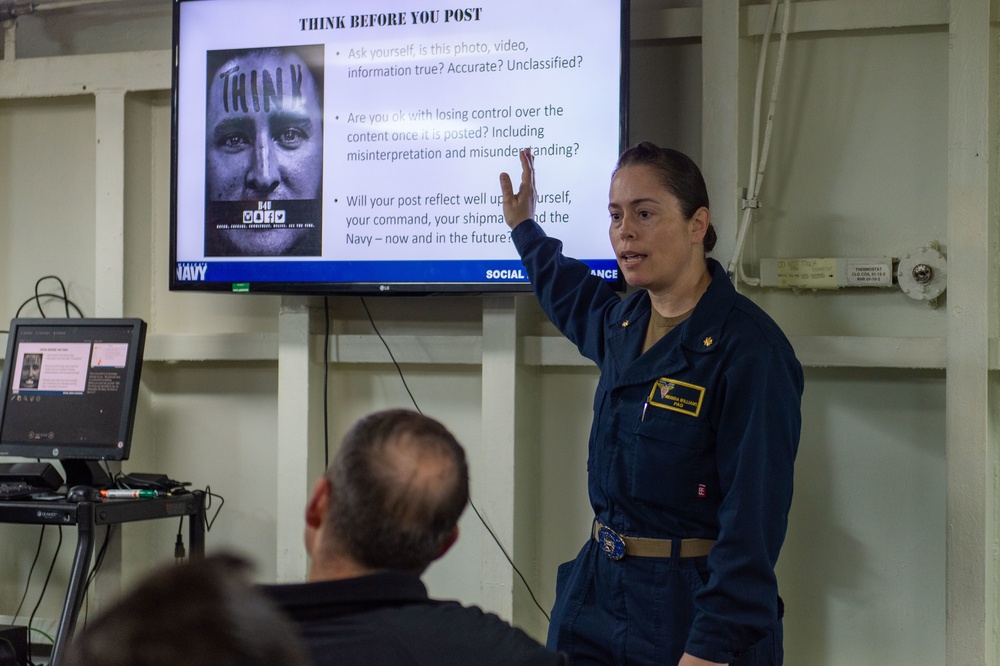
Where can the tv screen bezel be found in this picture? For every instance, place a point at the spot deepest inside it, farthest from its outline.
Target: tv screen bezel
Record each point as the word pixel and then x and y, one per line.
pixel 109 451
pixel 407 288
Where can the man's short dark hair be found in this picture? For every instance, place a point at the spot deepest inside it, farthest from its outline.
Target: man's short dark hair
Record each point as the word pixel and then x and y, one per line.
pixel 203 613
pixel 398 485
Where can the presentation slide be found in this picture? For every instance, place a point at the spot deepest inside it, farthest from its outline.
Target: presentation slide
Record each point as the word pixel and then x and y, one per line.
pixel 360 143
pixel 109 355
pixel 55 368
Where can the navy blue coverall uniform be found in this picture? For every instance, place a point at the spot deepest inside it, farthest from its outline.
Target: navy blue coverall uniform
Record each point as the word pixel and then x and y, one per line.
pixel 695 438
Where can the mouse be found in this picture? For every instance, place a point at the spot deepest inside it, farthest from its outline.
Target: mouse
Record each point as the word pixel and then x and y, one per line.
pixel 83 494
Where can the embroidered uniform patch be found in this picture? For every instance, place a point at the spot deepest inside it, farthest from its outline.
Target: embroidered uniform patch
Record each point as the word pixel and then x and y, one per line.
pixel 677 396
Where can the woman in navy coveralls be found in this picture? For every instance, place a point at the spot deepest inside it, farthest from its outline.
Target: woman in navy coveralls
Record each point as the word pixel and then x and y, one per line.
pixel 696 426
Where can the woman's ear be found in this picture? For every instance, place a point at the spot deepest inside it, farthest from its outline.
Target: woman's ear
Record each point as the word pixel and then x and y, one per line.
pixel 699 222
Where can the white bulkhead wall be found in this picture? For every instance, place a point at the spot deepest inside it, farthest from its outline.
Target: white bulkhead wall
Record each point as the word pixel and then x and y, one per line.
pixel 884 131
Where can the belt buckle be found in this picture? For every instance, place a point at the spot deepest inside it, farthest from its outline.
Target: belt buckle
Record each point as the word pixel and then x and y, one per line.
pixel 611 543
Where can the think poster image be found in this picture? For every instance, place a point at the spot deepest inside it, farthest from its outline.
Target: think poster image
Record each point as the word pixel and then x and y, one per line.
pixel 264 152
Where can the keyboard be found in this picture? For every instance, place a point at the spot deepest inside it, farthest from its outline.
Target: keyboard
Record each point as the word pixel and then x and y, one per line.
pixel 14 490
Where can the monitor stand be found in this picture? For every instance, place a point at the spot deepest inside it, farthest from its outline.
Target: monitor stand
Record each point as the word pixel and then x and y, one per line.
pixel 85 473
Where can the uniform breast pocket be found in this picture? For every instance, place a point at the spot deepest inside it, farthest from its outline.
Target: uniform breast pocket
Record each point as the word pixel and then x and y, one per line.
pixel 600 397
pixel 673 461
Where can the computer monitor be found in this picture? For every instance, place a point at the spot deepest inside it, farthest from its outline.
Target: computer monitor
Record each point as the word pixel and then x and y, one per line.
pixel 70 388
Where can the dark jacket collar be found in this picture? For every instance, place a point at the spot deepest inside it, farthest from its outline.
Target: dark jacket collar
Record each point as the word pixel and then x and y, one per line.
pixel 699 334
pixel 381 587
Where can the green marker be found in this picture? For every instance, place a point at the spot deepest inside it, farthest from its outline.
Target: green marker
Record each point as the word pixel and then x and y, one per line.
pixel 116 493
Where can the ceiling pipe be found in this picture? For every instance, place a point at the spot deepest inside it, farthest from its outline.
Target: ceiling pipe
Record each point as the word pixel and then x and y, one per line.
pixel 11 10
pixel 65 4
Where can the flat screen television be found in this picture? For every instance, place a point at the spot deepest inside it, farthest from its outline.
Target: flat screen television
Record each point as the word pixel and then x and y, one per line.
pixel 337 146
pixel 70 388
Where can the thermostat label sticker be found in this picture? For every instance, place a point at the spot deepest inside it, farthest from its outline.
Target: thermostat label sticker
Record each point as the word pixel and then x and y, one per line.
pixel 807 273
pixel 862 273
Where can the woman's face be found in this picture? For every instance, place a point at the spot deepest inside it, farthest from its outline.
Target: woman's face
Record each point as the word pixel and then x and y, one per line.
pixel 657 248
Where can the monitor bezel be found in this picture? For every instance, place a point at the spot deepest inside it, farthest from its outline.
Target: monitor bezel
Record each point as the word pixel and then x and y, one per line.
pixel 108 451
pixel 374 288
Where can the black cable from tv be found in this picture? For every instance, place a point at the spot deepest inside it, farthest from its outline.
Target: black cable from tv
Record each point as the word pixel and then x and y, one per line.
pixel 326 382
pixel 471 503
pixel 386 345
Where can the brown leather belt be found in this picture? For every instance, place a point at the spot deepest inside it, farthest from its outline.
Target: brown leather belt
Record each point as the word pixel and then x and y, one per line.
pixel 616 546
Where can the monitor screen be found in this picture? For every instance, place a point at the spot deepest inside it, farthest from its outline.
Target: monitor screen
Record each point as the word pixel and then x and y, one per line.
pixel 355 145
pixel 69 392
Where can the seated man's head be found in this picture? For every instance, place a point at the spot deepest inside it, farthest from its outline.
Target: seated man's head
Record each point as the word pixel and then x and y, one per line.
pixel 203 613
pixel 264 135
pixel 392 497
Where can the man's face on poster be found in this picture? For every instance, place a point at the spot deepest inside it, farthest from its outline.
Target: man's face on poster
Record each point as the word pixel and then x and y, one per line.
pixel 31 370
pixel 265 138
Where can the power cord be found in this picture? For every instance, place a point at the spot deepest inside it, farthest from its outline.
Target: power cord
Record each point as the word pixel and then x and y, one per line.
pixel 37 298
pixel 179 553
pixel 471 503
pixel 170 487
pixel 45 586
pixel 166 486
pixel 27 584
pixel 39 631
pixel 94 570
pixel 208 505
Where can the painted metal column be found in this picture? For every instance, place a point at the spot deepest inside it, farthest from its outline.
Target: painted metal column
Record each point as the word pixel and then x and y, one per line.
pixel 971 448
pixel 500 490
pixel 109 175
pixel 298 451
pixel 720 53
pixel 109 272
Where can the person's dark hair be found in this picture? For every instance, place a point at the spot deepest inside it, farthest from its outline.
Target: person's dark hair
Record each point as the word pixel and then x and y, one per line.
pixel 398 485
pixel 203 613
pixel 678 173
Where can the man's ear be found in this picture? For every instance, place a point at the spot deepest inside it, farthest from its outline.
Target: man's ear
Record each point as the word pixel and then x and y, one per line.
pixel 318 504
pixel 448 543
pixel 316 510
